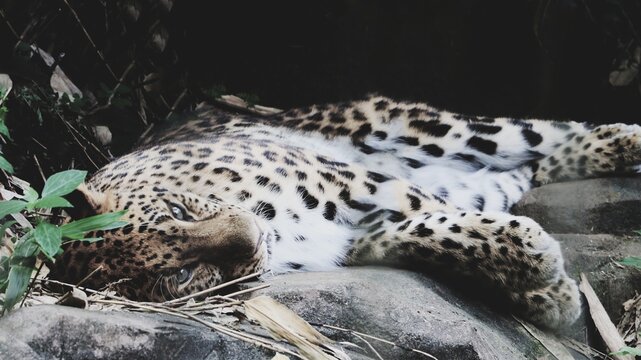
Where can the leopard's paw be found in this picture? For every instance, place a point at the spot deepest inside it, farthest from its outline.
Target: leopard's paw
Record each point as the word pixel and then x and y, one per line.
pixel 555 306
pixel 607 149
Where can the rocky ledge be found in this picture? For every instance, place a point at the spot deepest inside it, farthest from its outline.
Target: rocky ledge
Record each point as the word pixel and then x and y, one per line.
pixel 594 220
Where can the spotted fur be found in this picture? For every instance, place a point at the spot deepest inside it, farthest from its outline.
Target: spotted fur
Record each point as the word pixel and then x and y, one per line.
pixel 367 182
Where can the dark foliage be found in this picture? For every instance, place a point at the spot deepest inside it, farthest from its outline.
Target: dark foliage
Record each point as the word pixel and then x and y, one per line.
pixel 137 62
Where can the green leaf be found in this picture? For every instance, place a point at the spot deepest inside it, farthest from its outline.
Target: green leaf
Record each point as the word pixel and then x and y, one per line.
pixel 4 130
pixel 5 165
pixel 3 230
pixel 39 114
pixel 89 240
pixel 49 237
pixel 20 265
pixel 30 195
pixel 631 261
pixel 11 207
pixel 18 282
pixel 63 183
pixel 4 272
pixel 52 202
pixel 76 229
pixel 626 350
pixel 25 251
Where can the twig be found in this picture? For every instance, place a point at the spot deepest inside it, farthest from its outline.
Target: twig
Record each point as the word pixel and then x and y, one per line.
pixel 66 295
pixel 147 131
pixel 369 346
pixel 39 143
pixel 354 332
pixel 75 15
pixel 199 307
pixel 99 268
pixel 556 349
pixel 92 291
pixel 113 92
pixel 260 287
pixel 223 329
pixel 583 348
pixel 602 321
pixel 31 283
pixel 42 174
pixel 240 104
pixel 73 131
pixel 6 21
pixel 175 105
pixel 212 289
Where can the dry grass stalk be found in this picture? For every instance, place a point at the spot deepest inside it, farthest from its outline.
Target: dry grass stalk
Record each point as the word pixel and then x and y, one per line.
pixel 584 348
pixel 360 334
pixel 549 341
pixel 283 323
pixel 369 345
pixel 238 103
pixel 604 325
pixel 630 324
pixel 183 311
pixel 84 30
pixel 212 289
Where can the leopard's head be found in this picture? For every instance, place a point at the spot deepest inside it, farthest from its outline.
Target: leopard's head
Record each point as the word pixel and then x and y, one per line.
pixel 176 243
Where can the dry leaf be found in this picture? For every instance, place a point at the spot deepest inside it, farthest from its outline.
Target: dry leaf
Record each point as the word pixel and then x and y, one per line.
pixel 627 70
pixel 74 298
pixel 602 321
pixel 5 86
pixel 166 4
pixel 152 82
pixel 236 102
pixel 549 341
pixel 131 8
pixel 284 324
pixel 102 134
pixel 630 324
pixel 59 81
pixel 159 38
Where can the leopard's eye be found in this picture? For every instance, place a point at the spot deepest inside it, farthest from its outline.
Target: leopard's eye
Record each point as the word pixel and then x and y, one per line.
pixel 178 212
pixel 183 276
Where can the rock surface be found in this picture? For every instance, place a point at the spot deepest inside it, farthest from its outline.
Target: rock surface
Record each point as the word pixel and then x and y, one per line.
pixel 596 256
pixel 57 332
pixel 595 221
pixel 400 306
pixel 406 308
pixel 597 206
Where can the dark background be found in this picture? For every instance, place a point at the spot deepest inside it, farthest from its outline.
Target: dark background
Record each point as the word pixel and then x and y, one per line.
pixel 545 59
pixel 487 57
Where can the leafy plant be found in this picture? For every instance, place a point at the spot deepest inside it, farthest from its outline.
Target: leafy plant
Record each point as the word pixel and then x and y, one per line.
pixel 250 99
pixel 626 350
pixel 631 261
pixel 44 238
pixel 215 91
pixel 4 164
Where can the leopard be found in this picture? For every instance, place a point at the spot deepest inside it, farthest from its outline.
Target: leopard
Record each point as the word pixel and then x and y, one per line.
pixel 224 194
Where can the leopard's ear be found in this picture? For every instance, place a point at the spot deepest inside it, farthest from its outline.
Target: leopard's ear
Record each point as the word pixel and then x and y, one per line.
pixel 86 202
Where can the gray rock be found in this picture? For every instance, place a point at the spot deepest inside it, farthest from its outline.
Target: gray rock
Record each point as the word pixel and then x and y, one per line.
pixel 401 306
pixel 597 206
pixel 406 308
pixel 48 332
pixel 596 256
pixel 580 214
